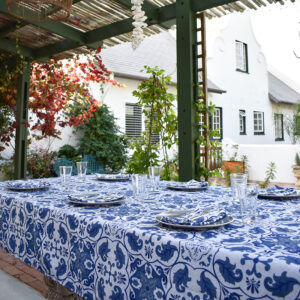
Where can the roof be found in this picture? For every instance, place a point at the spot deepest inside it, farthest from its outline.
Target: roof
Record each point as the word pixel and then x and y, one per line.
pixel 95 21
pixel 157 50
pixel 280 92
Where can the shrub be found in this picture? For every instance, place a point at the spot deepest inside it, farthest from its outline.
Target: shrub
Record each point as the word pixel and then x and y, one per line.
pixel 103 139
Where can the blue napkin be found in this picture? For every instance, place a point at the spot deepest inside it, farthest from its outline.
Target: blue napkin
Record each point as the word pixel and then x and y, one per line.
pixel 278 191
pixel 192 219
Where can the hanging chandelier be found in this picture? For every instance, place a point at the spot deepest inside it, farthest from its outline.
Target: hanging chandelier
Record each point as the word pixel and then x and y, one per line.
pixel 40 10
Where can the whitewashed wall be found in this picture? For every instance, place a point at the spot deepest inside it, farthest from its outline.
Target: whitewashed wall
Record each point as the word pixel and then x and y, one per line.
pixel 260 156
pixel 244 91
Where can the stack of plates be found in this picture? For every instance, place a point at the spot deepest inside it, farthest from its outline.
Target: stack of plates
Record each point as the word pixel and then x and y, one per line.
pixel 97 199
pixel 113 177
pixel 164 218
pixel 27 185
pixel 190 186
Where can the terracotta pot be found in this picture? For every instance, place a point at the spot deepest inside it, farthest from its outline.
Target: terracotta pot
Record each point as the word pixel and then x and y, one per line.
pixel 234 166
pixel 296 170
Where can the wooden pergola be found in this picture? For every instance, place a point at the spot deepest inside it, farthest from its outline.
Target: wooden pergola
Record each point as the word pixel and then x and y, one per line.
pixel 109 22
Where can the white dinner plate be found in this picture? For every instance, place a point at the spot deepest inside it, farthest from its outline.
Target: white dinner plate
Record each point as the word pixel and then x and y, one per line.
pixel 177 213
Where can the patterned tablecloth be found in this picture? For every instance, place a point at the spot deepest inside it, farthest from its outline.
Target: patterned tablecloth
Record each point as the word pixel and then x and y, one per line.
pixel 120 252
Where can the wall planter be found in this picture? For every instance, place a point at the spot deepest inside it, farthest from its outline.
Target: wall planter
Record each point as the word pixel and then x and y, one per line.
pixel 296 170
pixel 233 166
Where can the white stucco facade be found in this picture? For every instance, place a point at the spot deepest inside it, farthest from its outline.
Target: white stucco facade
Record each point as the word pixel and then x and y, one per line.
pixel 246 91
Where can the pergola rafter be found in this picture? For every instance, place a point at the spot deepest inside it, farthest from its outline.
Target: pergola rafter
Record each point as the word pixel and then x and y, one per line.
pixel 110 22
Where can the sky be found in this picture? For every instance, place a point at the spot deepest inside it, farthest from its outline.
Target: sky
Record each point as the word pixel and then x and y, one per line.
pixel 277 30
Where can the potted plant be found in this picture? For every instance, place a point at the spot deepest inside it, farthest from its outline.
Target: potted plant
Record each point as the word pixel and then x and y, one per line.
pixel 232 163
pixel 296 170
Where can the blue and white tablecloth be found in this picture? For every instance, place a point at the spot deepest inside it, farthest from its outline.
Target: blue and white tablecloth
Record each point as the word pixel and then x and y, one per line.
pixel 120 252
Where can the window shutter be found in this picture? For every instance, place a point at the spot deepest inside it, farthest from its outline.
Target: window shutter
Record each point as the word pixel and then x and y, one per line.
pixel 133 120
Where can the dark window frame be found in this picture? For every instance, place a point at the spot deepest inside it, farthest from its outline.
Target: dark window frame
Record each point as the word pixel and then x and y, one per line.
pixel 282 131
pixel 263 123
pixel 219 138
pixel 244 122
pixel 246 58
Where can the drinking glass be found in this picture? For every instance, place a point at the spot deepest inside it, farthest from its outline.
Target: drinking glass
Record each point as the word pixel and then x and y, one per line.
pixel 247 194
pixel 154 175
pixel 139 185
pixel 65 173
pixel 81 169
pixel 237 178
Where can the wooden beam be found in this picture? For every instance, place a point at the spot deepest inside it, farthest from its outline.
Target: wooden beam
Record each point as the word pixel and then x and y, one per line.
pixel 10 46
pixel 54 27
pixel 22 119
pixel 11 27
pixel 150 11
pixel 62 46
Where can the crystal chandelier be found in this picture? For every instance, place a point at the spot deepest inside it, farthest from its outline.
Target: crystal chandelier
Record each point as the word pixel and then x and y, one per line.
pixel 40 10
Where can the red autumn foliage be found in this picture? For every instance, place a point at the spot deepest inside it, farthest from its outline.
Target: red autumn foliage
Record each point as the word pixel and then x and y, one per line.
pixel 55 87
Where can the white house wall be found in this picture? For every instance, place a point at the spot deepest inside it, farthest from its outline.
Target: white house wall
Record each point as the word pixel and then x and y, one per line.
pixel 244 91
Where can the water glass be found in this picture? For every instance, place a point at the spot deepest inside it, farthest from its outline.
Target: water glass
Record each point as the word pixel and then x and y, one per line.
pixel 65 173
pixel 237 178
pixel 247 194
pixel 154 175
pixel 81 169
pixel 139 182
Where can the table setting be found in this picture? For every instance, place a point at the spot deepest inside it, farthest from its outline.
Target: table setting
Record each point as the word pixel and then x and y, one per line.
pixel 149 241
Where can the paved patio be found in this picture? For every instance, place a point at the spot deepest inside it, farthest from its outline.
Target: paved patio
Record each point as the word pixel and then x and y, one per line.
pixel 19 281
pixel 13 289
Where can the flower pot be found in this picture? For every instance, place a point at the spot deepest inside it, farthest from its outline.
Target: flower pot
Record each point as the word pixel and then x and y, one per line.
pixel 234 166
pixel 296 170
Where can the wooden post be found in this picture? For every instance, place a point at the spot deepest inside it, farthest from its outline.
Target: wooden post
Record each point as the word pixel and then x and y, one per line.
pixel 186 43
pixel 21 119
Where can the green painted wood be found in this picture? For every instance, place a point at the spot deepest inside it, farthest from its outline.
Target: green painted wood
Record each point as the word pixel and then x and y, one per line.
pixel 11 27
pixel 59 47
pixel 150 10
pixel 54 27
pixel 186 41
pixel 22 119
pixel 11 47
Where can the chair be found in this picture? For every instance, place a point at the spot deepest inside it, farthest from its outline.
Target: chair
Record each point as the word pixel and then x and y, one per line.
pixel 93 166
pixel 64 162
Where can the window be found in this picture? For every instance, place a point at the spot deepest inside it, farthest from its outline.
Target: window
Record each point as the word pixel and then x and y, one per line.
pixel 241 52
pixel 258 119
pixel 215 122
pixel 278 120
pixel 242 116
pixel 133 120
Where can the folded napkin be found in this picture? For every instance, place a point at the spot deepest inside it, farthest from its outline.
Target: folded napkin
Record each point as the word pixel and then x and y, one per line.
pixel 196 218
pixel 278 191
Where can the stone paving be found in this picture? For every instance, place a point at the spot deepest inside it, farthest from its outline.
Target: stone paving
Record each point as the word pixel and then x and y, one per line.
pixel 22 272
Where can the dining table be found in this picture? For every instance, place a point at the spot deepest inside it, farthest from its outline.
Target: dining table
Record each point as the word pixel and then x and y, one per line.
pixel 123 251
